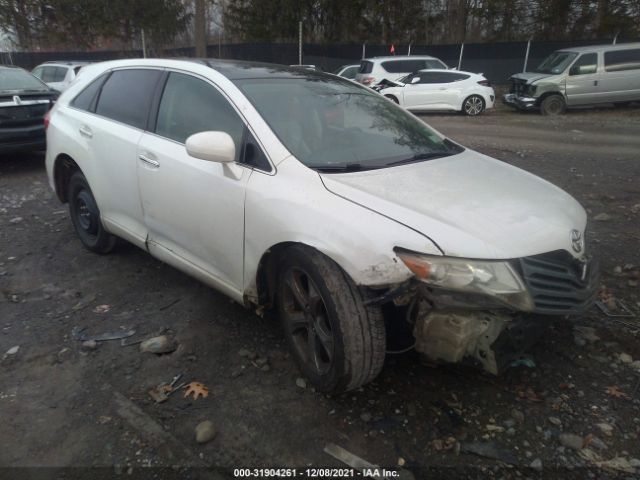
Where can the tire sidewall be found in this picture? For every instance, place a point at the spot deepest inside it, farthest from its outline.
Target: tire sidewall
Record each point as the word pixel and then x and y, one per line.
pixel 100 242
pixel 544 106
pixel 331 380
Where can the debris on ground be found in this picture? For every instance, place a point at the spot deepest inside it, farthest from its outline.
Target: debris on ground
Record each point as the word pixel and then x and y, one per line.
pixel 161 392
pixel 12 352
pixel 102 309
pixel 571 440
pixel 615 391
pixel 205 431
pixel 489 450
pixel 348 458
pixel 301 382
pixel 79 334
pixel 89 345
pixel 158 345
pixel 196 389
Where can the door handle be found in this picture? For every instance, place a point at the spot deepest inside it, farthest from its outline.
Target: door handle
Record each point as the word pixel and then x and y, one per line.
pixel 149 161
pixel 85 131
pixel 595 83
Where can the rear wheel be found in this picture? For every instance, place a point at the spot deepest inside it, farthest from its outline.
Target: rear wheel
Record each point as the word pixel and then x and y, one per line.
pixel 337 341
pixel 85 216
pixel 473 105
pixel 553 105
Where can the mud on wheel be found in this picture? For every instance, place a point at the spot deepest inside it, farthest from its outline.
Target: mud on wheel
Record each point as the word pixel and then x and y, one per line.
pixel 337 341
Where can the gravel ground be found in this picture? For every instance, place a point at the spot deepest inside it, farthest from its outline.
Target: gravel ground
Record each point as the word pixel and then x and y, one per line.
pixel 575 414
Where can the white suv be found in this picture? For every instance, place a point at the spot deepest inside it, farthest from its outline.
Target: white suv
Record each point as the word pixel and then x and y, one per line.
pixel 305 192
pixel 58 75
pixel 374 70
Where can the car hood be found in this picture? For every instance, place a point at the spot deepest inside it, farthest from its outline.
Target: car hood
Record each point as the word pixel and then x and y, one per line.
pixel 530 77
pixel 469 204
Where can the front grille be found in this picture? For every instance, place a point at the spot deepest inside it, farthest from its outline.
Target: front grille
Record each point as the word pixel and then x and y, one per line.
pixel 517 86
pixel 559 284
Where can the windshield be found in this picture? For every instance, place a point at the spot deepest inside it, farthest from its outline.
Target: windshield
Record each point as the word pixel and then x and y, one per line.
pixel 557 62
pixel 335 125
pixel 18 79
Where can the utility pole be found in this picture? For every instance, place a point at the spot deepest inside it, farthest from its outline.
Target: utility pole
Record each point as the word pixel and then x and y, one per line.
pixel 526 55
pixel 200 28
pixel 144 45
pixel 299 43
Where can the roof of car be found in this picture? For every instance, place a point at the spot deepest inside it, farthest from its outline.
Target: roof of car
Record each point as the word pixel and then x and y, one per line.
pixel 608 47
pixel 66 62
pixel 239 69
pixel 403 57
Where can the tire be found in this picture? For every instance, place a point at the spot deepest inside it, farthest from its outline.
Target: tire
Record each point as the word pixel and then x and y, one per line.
pixel 553 105
pixel 85 216
pixel 338 342
pixel 473 105
pixel 392 98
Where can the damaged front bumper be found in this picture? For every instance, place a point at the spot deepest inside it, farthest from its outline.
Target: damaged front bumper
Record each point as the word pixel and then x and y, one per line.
pixel 460 327
pixel 521 103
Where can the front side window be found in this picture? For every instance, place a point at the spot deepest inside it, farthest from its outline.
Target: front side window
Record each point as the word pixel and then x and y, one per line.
pixel 190 105
pixel 334 125
pixel 618 60
pixel 556 63
pixel 126 96
pixel 585 64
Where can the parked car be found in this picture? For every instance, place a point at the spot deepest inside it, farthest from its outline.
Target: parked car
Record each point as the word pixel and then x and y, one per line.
pixel 307 193
pixel 426 90
pixel 348 71
pixel 374 70
pixel 579 76
pixel 58 75
pixel 24 101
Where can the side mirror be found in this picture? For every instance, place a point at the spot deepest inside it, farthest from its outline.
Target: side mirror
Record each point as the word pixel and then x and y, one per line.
pixel 211 146
pixel 415 80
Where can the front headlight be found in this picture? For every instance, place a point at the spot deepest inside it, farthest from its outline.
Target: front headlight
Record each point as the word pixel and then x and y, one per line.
pixel 531 90
pixel 496 279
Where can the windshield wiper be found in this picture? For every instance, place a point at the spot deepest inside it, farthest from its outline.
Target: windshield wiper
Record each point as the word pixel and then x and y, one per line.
pixel 349 167
pixel 419 157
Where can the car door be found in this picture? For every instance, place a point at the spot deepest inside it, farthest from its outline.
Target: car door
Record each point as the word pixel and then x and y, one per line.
pixel 111 137
pixel 583 81
pixel 416 91
pixel 433 92
pixel 194 209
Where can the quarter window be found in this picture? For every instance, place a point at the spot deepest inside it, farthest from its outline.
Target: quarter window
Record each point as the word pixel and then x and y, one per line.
pixel 587 63
pixel 190 105
pixel 126 96
pixel 618 60
pixel 85 99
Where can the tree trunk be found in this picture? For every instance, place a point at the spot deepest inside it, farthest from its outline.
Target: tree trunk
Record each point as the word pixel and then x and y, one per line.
pixel 200 29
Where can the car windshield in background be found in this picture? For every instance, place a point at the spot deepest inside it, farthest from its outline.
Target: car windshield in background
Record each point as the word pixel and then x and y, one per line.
pixel 557 62
pixel 333 125
pixel 12 79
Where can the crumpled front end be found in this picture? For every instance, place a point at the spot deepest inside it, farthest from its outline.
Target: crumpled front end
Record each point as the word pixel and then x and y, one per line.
pixel 522 95
pixel 453 326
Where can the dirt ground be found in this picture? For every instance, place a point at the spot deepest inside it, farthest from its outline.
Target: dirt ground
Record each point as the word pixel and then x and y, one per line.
pixel 573 412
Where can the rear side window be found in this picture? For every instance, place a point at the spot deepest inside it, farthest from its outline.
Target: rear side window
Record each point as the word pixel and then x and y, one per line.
pixel 366 67
pixel 403 66
pixel 618 60
pixel 126 96
pixel 585 64
pixel 85 99
pixel 190 105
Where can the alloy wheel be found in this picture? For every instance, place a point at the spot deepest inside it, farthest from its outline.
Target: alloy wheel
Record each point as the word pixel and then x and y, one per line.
pixel 473 106
pixel 307 320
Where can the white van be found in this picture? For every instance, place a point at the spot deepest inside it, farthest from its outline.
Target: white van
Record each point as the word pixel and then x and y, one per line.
pixel 374 70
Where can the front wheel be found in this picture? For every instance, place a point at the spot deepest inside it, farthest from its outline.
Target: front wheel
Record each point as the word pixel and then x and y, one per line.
pixel 85 216
pixel 337 341
pixel 553 105
pixel 473 105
